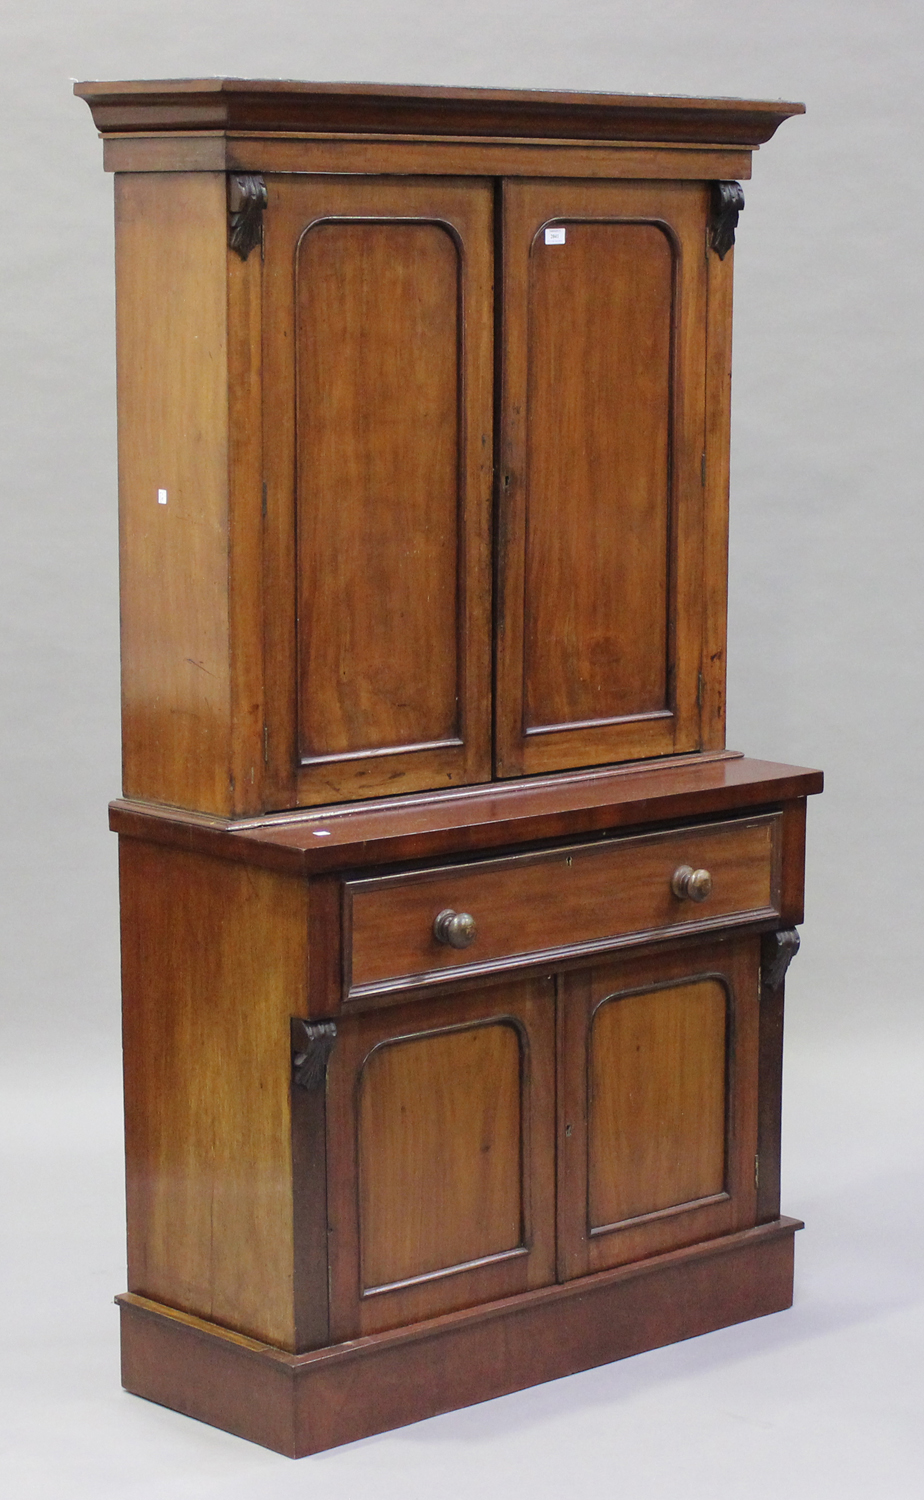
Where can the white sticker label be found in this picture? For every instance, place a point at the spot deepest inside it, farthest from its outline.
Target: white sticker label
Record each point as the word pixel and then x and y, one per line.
pixel 162 497
pixel 555 236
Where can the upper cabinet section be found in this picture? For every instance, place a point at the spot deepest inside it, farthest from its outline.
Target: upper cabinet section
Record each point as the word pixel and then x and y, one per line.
pixel 423 433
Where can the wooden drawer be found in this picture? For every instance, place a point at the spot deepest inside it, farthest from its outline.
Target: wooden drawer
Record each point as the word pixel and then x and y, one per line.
pixel 557 903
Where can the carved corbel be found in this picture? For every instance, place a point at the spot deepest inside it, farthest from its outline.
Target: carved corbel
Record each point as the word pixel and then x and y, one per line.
pixel 246 202
pixel 312 1044
pixel 777 953
pixel 727 203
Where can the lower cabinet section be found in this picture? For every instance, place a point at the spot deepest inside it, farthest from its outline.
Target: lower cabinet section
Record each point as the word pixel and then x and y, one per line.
pixel 460 1171
pixel 351 1210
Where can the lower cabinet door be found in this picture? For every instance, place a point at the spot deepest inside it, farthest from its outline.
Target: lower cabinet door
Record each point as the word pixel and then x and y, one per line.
pixel 441 1155
pixel 658 1103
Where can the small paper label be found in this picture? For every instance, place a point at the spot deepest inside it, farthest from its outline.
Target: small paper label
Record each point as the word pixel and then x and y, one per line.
pixel 162 497
pixel 555 236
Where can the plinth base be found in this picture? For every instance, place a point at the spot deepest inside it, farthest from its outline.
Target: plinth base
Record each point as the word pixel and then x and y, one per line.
pixel 304 1403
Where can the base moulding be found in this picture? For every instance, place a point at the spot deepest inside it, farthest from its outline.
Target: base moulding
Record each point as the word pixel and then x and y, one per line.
pixel 298 1404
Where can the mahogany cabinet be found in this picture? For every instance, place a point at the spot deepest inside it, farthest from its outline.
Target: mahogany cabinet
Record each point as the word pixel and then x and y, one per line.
pixel 453 936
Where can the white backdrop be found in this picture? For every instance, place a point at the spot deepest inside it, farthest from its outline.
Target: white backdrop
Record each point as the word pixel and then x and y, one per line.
pixel 826 614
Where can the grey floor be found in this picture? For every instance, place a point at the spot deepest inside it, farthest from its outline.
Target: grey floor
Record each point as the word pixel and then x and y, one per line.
pixel 821 1401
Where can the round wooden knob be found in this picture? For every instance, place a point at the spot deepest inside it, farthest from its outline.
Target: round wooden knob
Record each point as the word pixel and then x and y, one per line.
pixel 688 884
pixel 455 928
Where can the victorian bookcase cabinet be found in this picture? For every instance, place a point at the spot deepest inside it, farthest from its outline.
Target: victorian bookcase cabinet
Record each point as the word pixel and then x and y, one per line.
pixel 453 937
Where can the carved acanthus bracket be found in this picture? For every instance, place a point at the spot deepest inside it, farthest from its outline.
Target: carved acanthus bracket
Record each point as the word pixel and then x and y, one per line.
pixel 312 1044
pixel 727 203
pixel 246 202
pixel 778 951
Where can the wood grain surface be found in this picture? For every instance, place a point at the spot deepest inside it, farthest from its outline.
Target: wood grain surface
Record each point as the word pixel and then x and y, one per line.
pixel 379 397
pixel 371 615
pixel 557 902
pixel 716 458
pixel 601 309
pixel 439 1139
pixel 441 1155
pixel 172 341
pixel 489 818
pixel 275 104
pixel 420 156
pixel 214 961
pixel 600 509
pixel 656 1134
pixel 245 529
pixel 431 487
pixel 307 1404
pixel 378 337
pixel 658 1102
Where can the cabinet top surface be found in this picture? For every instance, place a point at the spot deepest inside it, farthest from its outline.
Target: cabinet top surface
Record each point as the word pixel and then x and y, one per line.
pixel 280 106
pixel 477 818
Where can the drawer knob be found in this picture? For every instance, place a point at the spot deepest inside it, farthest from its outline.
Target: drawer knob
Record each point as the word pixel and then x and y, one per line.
pixel 688 884
pixel 456 928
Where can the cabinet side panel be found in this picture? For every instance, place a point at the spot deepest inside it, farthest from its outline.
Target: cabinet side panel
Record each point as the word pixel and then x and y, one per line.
pixel 171 263
pixel 792 883
pixel 214 963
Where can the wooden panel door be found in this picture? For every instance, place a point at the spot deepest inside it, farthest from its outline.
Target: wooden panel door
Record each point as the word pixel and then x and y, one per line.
pixel 602 473
pixel 658 1108
pixel 378 458
pixel 441 1146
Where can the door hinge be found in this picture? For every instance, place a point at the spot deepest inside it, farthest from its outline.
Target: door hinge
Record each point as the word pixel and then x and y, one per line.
pixel 700 689
pixel 266 744
pixel 756 1173
pixel 263 504
pixel 702 471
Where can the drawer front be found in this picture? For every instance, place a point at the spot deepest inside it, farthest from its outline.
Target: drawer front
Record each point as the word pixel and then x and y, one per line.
pixel 557 903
